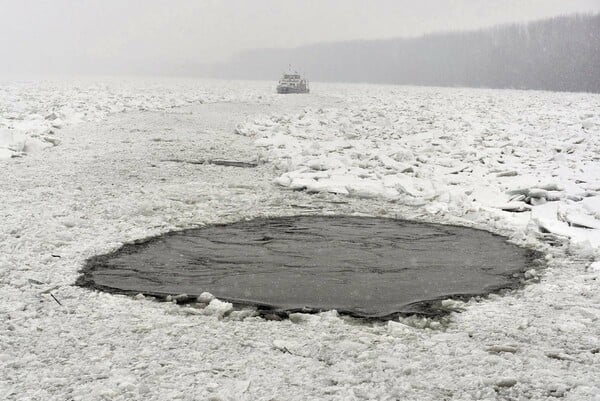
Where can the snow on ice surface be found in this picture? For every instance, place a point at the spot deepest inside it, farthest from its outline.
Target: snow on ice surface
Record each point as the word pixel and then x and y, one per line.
pixel 444 155
pixel 32 113
pixel 457 151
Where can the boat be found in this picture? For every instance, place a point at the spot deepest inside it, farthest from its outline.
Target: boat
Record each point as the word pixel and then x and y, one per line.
pixel 292 83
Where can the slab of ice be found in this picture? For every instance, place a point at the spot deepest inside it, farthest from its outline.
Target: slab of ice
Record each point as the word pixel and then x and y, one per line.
pixel 371 147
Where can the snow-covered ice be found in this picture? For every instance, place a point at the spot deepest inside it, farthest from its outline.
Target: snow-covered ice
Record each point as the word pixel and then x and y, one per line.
pixel 465 153
pixel 85 168
pixel 32 113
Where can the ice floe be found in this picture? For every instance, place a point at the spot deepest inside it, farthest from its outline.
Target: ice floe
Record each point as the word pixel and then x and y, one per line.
pixel 447 152
pixel 32 113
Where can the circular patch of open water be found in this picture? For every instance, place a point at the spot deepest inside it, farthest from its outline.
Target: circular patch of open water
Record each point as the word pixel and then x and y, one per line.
pixel 363 266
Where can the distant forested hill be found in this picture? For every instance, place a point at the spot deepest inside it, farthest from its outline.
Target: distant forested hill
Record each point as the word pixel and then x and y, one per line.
pixel 559 54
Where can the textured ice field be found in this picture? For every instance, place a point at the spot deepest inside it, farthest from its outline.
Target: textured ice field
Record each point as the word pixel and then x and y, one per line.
pixel 85 167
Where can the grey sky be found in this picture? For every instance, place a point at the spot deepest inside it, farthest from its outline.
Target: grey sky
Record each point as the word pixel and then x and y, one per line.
pixel 108 36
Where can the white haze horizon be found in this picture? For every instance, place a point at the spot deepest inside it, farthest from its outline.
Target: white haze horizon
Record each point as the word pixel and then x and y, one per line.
pixel 155 37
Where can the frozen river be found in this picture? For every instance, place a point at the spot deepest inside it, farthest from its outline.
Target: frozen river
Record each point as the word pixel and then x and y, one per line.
pixel 521 164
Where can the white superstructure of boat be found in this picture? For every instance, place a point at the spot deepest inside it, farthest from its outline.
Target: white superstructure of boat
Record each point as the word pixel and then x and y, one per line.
pixel 292 83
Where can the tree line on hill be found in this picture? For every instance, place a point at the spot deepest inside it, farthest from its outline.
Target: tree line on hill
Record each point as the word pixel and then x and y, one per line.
pixel 558 54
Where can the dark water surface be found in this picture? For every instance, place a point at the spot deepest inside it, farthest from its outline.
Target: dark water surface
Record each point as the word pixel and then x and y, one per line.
pixel 371 267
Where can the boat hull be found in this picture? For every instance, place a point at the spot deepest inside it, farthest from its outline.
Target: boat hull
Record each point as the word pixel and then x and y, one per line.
pixel 287 90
